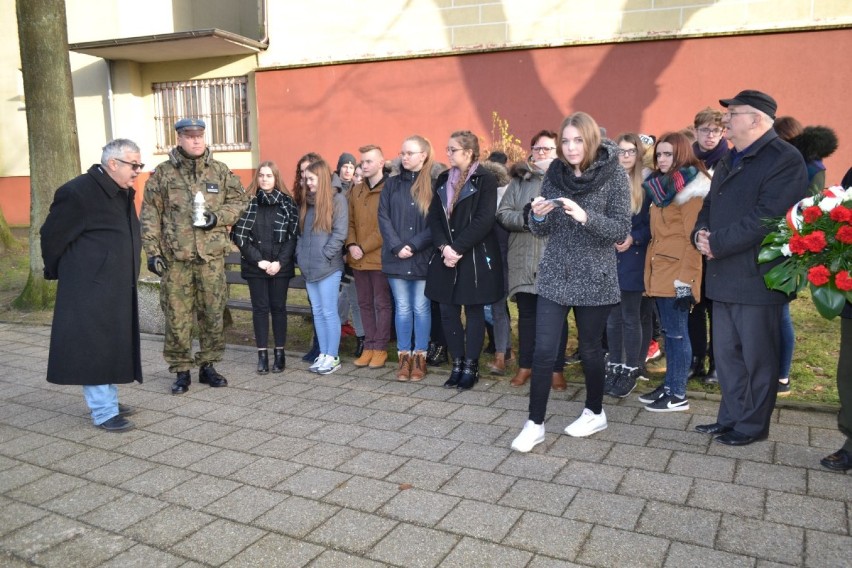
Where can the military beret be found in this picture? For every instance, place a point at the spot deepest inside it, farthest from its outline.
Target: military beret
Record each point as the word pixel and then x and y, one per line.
pixel 190 124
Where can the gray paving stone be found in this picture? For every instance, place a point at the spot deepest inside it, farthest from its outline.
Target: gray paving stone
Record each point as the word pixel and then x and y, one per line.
pixel 208 432
pixel 655 485
pixel 389 419
pixel 312 482
pixel 789 434
pixel 243 440
pixel 532 466
pixel 352 531
pixel 426 448
pixel 245 504
pixel 266 472
pixel 366 399
pixel 478 433
pixel 807 418
pixel 141 556
pixel 336 559
pixel 829 484
pixel 47 455
pixel 362 493
pixel 16 515
pixel 545 534
pixel 326 455
pixel 547 562
pixel 40 535
pixel 379 440
pixel 185 454
pixel 90 549
pixel 28 441
pixel 200 491
pixel 675 522
pixel 372 464
pixel 763 451
pixel 157 480
pixel 651 459
pixel 296 516
pixel 616 549
pixel 477 414
pixel 119 514
pixel 284 447
pixel 686 440
pixel 824 550
pixel 175 425
pixel 688 556
pixel 479 485
pixel 771 476
pixel 770 541
pixel 472 552
pixel 346 414
pixel 807 512
pixel 219 542
pixel 826 438
pixel 625 434
pixel 223 463
pixel 799 456
pixel 46 488
pixel 480 520
pixel 702 466
pixel 598 508
pixel 477 456
pixel 591 475
pixel 149 445
pixel 663 420
pixel 430 426
pixel 728 498
pixel 83 499
pixel 548 498
pixel 168 526
pixel 419 506
pixel 276 550
pixel 337 433
pixel 119 471
pixel 413 547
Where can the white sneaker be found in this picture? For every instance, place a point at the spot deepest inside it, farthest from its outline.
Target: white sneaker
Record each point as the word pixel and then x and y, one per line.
pixel 531 436
pixel 330 365
pixel 587 424
pixel 317 363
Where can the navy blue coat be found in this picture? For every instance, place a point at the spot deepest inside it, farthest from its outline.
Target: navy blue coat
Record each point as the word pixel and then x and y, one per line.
pixel 631 263
pixel 402 223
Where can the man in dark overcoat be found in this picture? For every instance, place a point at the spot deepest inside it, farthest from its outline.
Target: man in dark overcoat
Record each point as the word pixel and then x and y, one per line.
pixel 91 243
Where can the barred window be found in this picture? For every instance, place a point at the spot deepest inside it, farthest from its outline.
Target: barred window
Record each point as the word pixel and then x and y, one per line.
pixel 221 103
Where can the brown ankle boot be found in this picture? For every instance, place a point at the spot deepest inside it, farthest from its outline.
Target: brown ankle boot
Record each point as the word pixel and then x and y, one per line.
pixel 521 377
pixel 558 383
pixel 498 366
pixel 403 372
pixel 418 366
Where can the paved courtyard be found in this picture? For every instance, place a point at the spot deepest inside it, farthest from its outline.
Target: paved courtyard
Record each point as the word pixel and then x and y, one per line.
pixel 355 469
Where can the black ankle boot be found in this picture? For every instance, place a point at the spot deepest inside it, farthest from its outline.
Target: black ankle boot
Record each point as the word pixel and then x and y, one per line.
pixel 208 376
pixel 181 384
pixel 359 346
pixel 455 374
pixel 279 360
pixel 470 375
pixel 262 361
pixel 439 356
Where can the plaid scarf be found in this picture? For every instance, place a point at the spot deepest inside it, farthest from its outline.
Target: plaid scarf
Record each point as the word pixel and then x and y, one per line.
pixel 286 221
pixel 662 188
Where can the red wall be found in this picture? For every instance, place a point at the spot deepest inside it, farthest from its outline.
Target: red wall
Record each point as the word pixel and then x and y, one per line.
pixel 649 86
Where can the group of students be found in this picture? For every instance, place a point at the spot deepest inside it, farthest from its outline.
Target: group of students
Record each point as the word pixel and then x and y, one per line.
pixel 578 196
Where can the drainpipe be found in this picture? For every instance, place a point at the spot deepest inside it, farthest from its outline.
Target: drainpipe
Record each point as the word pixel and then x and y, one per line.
pixel 110 101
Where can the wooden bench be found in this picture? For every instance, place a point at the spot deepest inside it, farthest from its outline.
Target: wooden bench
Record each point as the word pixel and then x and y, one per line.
pixel 233 277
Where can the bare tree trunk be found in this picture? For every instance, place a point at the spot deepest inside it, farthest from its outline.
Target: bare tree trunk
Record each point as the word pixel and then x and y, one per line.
pixel 51 124
pixel 7 239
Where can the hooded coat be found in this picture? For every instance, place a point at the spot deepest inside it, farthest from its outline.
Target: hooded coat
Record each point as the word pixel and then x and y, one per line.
pixel 478 277
pixel 91 243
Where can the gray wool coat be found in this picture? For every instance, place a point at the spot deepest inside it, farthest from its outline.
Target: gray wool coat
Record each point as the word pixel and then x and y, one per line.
pixel 578 267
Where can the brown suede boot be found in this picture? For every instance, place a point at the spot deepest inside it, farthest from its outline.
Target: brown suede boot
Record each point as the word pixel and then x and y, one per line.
pixel 521 377
pixel 558 383
pixel 418 366
pixel 403 372
pixel 364 359
pixel 498 366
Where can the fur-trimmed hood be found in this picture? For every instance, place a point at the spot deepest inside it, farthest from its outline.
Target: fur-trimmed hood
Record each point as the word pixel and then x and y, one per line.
pixel 815 142
pixel 698 187
pixel 525 171
pixel 498 170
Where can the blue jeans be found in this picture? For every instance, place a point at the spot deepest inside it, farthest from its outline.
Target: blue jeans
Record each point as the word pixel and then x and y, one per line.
pixel 102 401
pixel 788 342
pixel 678 348
pixel 413 312
pixel 323 295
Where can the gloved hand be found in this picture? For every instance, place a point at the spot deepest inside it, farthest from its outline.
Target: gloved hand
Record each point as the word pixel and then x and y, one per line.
pixel 684 300
pixel 209 221
pixel 157 265
pixel 526 214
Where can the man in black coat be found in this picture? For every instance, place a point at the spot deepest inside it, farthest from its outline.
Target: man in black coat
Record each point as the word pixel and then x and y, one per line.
pixel 759 179
pixel 90 242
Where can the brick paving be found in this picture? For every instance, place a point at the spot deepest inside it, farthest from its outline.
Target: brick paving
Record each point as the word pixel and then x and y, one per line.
pixel 356 469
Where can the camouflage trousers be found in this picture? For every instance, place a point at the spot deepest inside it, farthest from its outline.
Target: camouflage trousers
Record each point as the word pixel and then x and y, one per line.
pixel 189 292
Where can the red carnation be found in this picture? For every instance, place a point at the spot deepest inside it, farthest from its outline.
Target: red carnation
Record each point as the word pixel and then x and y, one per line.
pixel 844 234
pixel 797 245
pixel 841 214
pixel 819 275
pixel 843 281
pixel 811 214
pixel 815 242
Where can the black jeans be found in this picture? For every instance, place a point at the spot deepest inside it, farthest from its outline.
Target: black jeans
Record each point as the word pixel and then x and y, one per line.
pixel 698 317
pixel 624 330
pixel 464 341
pixel 437 334
pixel 591 323
pixel 526 333
pixel 269 296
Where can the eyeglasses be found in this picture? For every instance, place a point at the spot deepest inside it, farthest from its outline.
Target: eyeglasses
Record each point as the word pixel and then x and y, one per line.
pixel 409 154
pixel 664 154
pixel 627 152
pixel 710 131
pixel 543 149
pixel 451 151
pixel 136 166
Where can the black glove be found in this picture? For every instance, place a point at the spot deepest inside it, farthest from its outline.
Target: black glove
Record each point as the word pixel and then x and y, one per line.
pixel 157 265
pixel 684 300
pixel 209 221
pixel 526 214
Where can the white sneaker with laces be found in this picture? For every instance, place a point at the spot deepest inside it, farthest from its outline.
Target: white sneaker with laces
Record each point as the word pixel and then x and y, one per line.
pixel 531 436
pixel 318 362
pixel 587 424
pixel 330 365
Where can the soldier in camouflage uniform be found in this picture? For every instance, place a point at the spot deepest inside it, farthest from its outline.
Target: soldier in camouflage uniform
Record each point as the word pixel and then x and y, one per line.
pixel 191 259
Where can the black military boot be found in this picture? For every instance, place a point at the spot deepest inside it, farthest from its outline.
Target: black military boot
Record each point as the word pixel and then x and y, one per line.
pixel 181 384
pixel 279 360
pixel 438 357
pixel 455 374
pixel 207 375
pixel 359 346
pixel 262 361
pixel 470 375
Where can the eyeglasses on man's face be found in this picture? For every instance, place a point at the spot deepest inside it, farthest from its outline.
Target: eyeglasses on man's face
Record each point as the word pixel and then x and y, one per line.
pixel 136 166
pixel 704 131
pixel 543 149
pixel 627 152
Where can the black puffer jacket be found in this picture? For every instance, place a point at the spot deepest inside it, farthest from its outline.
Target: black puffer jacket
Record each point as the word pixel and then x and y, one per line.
pixel 402 223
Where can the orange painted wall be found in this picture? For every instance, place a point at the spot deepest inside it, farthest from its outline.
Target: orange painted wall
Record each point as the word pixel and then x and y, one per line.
pixel 650 86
